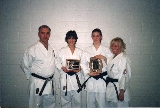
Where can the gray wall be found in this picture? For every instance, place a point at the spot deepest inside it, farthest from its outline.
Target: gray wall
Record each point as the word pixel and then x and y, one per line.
pixel 136 21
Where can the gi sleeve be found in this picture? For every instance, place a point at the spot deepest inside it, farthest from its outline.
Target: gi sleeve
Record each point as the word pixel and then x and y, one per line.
pixel 108 55
pixel 125 71
pixel 58 61
pixel 85 64
pixel 26 64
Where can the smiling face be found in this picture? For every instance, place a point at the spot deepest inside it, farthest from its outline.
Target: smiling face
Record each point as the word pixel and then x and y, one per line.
pixel 96 37
pixel 115 48
pixel 71 41
pixel 44 35
pixel 71 38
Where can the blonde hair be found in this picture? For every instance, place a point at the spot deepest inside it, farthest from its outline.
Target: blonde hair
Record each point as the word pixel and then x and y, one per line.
pixel 120 42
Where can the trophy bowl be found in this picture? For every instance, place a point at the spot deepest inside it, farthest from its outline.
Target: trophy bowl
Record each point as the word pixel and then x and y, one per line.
pixel 95 65
pixel 73 64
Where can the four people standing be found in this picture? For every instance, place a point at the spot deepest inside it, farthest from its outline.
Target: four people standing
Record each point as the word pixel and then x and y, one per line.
pixel 39 62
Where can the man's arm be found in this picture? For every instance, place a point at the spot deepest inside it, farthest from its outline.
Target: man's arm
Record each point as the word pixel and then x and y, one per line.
pixel 26 64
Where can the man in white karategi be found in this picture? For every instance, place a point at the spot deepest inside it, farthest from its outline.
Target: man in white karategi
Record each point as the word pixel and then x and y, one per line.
pixel 69 78
pixel 38 65
pixel 96 87
pixel 119 75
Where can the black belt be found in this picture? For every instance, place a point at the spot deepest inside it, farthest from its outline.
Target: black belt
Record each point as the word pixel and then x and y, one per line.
pixel 108 79
pixel 100 76
pixel 77 78
pixel 45 83
pixel 95 77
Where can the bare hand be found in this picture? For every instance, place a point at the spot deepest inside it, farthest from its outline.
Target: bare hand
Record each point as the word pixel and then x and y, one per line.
pixel 64 69
pixel 93 74
pixel 121 95
pixel 101 57
pixel 76 71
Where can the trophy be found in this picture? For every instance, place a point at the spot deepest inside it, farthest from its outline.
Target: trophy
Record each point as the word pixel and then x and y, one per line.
pixel 73 64
pixel 95 65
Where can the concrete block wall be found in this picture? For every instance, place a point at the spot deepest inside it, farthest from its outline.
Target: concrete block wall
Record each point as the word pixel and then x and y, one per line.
pixel 137 22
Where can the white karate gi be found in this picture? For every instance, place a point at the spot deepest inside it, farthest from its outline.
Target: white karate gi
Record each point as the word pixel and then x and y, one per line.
pixel 119 68
pixel 96 89
pixel 73 98
pixel 37 59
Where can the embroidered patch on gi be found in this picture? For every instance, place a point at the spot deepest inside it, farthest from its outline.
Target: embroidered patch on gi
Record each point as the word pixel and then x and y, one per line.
pixel 125 71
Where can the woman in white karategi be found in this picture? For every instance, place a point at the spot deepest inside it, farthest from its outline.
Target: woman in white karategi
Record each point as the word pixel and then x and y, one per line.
pixel 70 79
pixel 38 65
pixel 96 88
pixel 119 72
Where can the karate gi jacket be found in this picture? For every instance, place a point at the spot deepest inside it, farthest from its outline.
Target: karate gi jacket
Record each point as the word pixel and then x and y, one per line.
pixel 37 59
pixel 119 68
pixel 63 54
pixel 92 84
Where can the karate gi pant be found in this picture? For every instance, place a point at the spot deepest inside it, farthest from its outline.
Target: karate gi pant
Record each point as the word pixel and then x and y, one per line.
pixel 118 104
pixel 96 100
pixel 44 101
pixel 72 100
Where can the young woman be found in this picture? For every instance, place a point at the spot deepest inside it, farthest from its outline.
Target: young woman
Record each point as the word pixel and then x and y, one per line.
pixel 70 79
pixel 119 72
pixel 95 85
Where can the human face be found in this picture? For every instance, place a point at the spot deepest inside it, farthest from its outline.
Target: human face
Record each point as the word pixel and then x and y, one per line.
pixel 115 48
pixel 44 35
pixel 96 37
pixel 71 41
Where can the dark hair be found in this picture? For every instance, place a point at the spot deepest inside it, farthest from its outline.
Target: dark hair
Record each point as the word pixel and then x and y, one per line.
pixel 44 26
pixel 70 34
pixel 97 30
